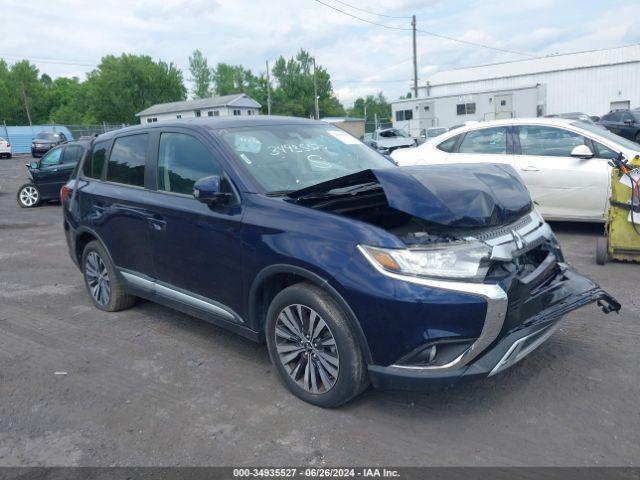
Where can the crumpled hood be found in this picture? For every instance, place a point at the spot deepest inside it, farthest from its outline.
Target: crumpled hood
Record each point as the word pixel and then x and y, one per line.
pixel 461 195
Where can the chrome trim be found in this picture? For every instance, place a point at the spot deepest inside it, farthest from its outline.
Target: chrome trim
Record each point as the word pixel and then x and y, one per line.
pixel 494 295
pixel 516 352
pixel 174 294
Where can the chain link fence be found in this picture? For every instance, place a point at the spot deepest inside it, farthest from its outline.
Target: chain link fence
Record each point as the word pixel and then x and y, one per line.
pixel 91 130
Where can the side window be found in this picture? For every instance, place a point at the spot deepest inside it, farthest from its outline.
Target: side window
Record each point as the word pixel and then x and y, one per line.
pixel 183 160
pixel 614 117
pixel 626 117
pixel 127 159
pixel 548 141
pixel 72 154
pixel 485 141
pixel 92 167
pixel 447 145
pixel 51 158
pixel 604 152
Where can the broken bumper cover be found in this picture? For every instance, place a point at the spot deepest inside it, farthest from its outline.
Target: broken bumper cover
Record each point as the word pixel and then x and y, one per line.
pixel 558 298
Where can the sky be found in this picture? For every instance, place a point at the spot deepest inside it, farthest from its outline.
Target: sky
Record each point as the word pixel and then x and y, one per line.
pixel 68 37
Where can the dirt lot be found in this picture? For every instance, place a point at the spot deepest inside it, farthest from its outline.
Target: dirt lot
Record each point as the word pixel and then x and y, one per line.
pixel 150 386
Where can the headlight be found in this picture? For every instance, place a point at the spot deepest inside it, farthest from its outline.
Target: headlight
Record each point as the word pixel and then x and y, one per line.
pixel 466 260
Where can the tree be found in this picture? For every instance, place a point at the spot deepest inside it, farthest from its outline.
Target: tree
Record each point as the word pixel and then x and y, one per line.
pixel 294 94
pixel 201 75
pixel 372 106
pixel 68 102
pixel 122 86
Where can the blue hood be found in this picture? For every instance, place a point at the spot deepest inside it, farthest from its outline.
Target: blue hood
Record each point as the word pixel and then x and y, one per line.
pixel 461 195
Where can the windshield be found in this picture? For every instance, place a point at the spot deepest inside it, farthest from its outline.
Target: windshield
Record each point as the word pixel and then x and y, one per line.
pixel 392 133
pixel 623 142
pixel 284 158
pixel 48 136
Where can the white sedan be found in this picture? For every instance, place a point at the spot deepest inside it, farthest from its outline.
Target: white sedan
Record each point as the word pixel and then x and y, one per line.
pixel 563 162
pixel 5 148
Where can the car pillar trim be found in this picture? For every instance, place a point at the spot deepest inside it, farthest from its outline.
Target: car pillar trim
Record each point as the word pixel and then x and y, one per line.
pixel 493 294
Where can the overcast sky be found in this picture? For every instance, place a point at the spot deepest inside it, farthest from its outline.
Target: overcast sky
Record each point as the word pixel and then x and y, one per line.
pixel 361 58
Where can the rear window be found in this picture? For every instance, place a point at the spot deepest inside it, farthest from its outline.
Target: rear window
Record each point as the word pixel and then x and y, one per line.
pixel 449 144
pixel 92 167
pixel 127 160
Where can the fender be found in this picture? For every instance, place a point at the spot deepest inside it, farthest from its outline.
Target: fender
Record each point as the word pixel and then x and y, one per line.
pixel 316 279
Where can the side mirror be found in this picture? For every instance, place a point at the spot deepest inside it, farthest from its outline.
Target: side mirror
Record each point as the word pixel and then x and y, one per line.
pixel 629 122
pixel 581 151
pixel 33 165
pixel 209 190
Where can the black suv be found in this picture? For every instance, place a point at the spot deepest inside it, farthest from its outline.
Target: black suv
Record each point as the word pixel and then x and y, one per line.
pixel 45 141
pixel 50 173
pixel 625 123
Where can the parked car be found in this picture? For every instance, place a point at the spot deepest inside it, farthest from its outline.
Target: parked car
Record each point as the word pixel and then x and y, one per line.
pixel 564 163
pixel 293 232
pixel 45 141
pixel 50 174
pixel 5 148
pixel 386 140
pixel 429 133
pixel 625 123
pixel 583 117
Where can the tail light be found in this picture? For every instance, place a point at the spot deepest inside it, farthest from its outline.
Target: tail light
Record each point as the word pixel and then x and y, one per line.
pixel 8 144
pixel 65 192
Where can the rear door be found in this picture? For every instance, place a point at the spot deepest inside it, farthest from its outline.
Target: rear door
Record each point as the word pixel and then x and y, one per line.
pixel 119 212
pixel 562 186
pixel 483 145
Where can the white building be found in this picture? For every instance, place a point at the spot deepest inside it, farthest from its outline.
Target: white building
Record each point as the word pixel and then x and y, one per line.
pixel 592 82
pixel 226 105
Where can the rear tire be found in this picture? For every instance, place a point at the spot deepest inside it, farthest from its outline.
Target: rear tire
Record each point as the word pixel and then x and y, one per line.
pixel 28 196
pixel 103 284
pixel 602 250
pixel 313 347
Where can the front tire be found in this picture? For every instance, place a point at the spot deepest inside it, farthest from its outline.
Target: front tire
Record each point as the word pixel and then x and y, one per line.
pixel 602 250
pixel 28 196
pixel 103 284
pixel 313 347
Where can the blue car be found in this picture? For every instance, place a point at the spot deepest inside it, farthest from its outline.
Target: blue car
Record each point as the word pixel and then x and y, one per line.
pixel 292 232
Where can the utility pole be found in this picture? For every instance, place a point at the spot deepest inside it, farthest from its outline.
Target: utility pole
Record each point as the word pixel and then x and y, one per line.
pixel 26 104
pixel 315 90
pixel 268 90
pixel 415 58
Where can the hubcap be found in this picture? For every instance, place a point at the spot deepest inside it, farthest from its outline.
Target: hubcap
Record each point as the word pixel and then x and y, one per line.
pixel 29 196
pixel 307 349
pixel 97 277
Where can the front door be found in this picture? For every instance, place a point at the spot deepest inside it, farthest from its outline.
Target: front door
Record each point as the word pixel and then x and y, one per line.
pixel 503 105
pixel 562 186
pixel 196 248
pixel 51 174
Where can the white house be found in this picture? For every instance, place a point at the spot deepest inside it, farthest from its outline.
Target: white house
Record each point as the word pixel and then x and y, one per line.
pixel 226 105
pixel 592 82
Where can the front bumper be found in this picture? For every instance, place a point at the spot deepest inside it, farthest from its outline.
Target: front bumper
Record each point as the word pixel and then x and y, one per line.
pixel 567 292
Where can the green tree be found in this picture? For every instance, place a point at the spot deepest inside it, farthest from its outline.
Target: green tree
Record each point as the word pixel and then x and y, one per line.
pixel 201 75
pixel 371 106
pixel 68 102
pixel 294 94
pixel 122 86
pixel 26 94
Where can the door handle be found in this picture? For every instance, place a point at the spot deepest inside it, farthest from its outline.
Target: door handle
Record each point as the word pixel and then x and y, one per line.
pixel 157 222
pixel 530 168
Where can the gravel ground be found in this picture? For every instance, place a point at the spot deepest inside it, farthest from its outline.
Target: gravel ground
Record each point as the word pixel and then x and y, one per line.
pixel 150 386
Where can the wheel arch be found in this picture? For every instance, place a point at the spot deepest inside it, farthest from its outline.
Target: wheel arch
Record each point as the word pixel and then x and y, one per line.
pixel 273 279
pixel 84 235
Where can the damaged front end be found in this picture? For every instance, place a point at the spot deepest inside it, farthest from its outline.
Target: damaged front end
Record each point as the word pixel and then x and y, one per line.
pixel 470 229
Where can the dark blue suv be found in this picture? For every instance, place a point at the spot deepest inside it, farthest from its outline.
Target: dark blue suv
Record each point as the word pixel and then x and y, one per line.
pixel 294 233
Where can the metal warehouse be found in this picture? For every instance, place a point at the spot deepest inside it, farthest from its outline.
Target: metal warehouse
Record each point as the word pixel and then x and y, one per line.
pixel 592 82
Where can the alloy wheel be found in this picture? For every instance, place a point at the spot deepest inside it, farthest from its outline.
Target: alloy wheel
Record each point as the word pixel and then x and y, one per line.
pixel 29 196
pixel 97 277
pixel 307 348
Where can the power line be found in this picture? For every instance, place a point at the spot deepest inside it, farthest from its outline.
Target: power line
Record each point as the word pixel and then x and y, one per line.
pixel 369 12
pixel 425 32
